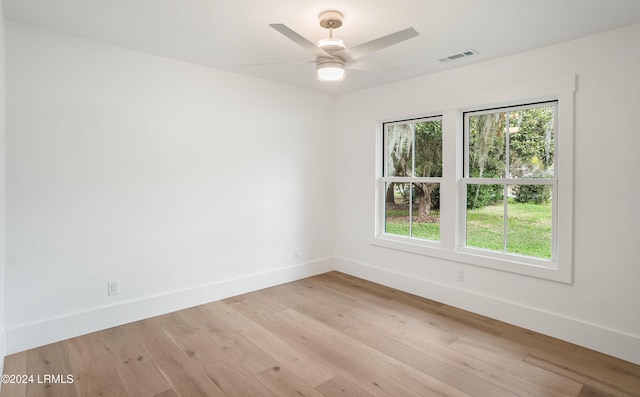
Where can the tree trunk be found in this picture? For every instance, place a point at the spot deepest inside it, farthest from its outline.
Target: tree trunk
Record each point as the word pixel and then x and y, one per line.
pixel 424 202
pixel 391 196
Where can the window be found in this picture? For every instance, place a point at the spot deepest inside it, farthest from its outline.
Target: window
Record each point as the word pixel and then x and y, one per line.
pixel 509 180
pixel 412 173
pixel 488 182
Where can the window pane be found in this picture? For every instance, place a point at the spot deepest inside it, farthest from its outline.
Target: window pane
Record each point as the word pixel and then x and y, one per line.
pixel 397 218
pixel 399 150
pixel 529 224
pixel 485 216
pixel 531 143
pixel 428 138
pixel 487 142
pixel 426 211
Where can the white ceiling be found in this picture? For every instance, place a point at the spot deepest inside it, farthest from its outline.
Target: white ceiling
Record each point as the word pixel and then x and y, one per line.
pixel 232 34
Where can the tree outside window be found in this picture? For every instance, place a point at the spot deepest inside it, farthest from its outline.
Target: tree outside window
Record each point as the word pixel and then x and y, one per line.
pixel 413 168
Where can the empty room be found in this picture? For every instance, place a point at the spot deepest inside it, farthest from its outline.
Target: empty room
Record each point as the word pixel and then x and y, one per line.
pixel 319 198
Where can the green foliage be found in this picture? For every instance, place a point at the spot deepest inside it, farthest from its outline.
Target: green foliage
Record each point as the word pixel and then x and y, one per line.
pixel 429 161
pixel 479 196
pixel 487 146
pixel 529 135
pixel 534 194
pixel 486 158
pixel 532 143
pixel 414 149
pixel 435 198
pixel 428 138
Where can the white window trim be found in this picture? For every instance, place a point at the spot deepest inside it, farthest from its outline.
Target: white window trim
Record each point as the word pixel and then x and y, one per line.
pixel 453 207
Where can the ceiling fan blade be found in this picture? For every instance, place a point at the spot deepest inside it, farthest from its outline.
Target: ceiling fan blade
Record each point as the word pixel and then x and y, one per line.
pixel 298 39
pixel 367 66
pixel 276 63
pixel 378 44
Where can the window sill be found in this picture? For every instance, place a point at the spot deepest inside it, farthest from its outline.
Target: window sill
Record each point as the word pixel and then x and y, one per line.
pixel 548 270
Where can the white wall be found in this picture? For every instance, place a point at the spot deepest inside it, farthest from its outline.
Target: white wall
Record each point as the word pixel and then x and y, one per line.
pixel 184 183
pixel 3 135
pixel 600 310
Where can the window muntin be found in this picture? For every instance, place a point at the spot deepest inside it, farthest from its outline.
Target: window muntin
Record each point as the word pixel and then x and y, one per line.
pixel 509 180
pixel 412 173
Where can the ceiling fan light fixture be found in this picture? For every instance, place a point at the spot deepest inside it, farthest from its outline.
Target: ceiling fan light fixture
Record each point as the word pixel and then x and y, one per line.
pixel 331 54
pixel 330 70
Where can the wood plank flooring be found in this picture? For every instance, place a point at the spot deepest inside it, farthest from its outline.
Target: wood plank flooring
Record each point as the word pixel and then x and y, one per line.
pixel 329 335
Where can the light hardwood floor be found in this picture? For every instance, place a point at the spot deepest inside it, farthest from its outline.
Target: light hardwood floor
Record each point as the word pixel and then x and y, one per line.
pixel 329 335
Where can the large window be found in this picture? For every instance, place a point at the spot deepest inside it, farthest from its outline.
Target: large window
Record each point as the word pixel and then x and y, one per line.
pixel 509 180
pixel 488 185
pixel 412 173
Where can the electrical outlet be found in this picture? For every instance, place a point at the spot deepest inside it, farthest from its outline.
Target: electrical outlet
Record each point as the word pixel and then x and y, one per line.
pixel 460 275
pixel 113 288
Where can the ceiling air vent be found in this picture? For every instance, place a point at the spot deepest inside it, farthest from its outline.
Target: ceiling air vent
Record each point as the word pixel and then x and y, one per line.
pixel 464 54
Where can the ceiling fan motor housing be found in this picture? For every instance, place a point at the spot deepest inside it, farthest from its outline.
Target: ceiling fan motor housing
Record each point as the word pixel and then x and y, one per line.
pixel 335 60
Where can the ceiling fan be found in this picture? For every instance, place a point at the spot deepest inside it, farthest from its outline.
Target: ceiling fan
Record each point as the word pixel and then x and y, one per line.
pixel 331 55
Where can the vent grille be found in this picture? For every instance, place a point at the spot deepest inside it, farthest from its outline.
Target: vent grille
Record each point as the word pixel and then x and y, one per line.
pixel 463 54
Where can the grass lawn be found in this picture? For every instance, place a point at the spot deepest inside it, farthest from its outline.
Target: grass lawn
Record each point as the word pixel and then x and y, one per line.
pixel 424 230
pixel 528 228
pixel 398 223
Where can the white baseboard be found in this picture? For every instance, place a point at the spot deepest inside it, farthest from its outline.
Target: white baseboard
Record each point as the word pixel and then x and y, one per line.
pixel 592 336
pixel 52 330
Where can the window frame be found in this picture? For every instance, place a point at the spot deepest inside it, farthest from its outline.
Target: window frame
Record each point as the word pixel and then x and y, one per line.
pixel 469 180
pixel 453 204
pixel 405 179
